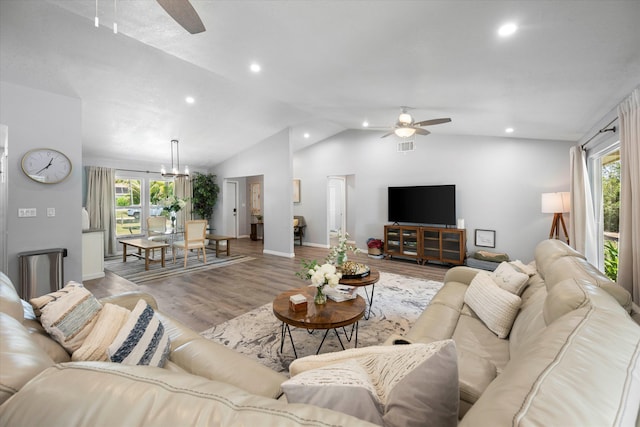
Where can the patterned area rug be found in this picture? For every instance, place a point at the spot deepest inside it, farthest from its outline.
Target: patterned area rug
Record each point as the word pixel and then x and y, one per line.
pixel 134 271
pixel 397 303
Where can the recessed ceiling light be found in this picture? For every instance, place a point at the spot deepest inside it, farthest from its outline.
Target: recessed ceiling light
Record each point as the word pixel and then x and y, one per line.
pixel 306 135
pixel 507 29
pixel 255 67
pixel 190 100
pixel 365 124
pixel 509 130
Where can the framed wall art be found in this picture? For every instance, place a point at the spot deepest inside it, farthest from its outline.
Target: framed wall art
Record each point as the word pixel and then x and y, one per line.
pixel 296 191
pixel 485 238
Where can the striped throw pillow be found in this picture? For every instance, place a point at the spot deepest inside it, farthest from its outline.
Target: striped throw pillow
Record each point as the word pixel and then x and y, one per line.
pixel 142 340
pixel 68 315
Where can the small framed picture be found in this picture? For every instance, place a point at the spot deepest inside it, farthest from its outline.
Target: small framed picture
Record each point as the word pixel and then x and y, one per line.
pixel 486 238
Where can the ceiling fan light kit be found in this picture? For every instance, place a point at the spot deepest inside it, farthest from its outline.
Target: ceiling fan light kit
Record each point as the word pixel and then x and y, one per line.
pixel 405 127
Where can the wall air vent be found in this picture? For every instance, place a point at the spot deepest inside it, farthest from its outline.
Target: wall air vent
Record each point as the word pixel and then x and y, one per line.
pixel 406 145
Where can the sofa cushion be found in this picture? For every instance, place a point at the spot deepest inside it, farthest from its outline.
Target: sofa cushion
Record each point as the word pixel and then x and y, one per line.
pixel 110 320
pixel 21 358
pixel 509 279
pixel 496 307
pixel 142 340
pixel 387 385
pixel 10 302
pixel 564 297
pixel 110 394
pixel 68 315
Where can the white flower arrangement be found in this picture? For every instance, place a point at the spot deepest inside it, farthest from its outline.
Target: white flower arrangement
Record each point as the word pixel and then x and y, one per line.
pixel 338 254
pixel 173 204
pixel 325 274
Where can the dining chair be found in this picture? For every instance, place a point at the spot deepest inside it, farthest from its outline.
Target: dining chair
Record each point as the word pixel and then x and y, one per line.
pixel 194 238
pixel 157 229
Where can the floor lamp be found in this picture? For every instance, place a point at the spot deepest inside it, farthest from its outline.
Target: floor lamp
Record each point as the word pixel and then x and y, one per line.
pixel 557 204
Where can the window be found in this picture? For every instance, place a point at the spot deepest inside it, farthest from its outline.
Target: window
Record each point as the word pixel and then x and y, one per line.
pixel 137 199
pixel 604 166
pixel 128 207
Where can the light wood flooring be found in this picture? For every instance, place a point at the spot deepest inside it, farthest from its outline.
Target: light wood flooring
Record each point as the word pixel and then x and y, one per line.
pixel 204 299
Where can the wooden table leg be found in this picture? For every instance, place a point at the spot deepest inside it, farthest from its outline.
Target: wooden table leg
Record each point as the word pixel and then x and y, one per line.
pixel 217 248
pixel 124 252
pixel 228 246
pixel 162 255
pixel 146 259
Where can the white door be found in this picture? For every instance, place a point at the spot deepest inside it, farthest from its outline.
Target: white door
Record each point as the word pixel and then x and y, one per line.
pixel 231 208
pixel 336 218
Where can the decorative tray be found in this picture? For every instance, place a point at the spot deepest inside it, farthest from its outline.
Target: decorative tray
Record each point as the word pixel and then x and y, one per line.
pixel 354 270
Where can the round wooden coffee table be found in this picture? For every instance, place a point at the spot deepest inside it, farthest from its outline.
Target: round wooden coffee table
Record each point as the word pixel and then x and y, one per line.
pixel 331 315
pixel 371 279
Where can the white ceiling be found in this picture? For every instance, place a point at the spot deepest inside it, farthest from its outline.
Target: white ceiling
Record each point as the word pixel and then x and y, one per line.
pixel 326 66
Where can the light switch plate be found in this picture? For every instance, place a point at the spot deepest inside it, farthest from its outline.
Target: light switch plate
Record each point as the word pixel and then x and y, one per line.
pixel 51 211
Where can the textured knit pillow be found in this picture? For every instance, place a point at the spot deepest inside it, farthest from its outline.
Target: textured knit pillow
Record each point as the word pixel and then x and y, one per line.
pixel 68 315
pixel 496 307
pixel 393 386
pixel 110 320
pixel 142 340
pixel 509 279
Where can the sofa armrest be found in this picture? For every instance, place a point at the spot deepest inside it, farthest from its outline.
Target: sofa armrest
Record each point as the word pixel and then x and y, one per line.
pixel 129 300
pixel 461 274
pixel 214 361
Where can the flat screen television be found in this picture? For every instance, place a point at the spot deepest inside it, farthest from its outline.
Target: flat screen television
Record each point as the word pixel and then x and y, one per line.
pixel 425 204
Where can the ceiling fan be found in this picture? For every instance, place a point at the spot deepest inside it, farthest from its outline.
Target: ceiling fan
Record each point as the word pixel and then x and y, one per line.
pixel 406 127
pixel 184 14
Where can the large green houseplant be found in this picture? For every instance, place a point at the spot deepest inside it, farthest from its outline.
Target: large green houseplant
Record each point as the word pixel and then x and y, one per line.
pixel 205 194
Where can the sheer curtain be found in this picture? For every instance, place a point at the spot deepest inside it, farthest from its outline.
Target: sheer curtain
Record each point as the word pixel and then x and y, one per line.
pixel 101 199
pixel 582 224
pixel 183 188
pixel 629 243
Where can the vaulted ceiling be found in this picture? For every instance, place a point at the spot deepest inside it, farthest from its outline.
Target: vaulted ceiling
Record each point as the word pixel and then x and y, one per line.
pixel 326 66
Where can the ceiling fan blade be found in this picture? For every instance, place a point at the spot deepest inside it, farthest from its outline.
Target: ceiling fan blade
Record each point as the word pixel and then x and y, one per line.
pixel 184 14
pixel 387 134
pixel 432 122
pixel 421 131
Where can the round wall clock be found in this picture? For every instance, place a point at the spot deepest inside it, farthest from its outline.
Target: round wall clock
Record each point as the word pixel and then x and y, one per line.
pixel 46 165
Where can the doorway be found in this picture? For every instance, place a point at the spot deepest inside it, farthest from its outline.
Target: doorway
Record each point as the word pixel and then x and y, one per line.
pixel 230 203
pixel 336 207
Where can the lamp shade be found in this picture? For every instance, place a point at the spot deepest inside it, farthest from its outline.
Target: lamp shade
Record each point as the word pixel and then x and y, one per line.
pixel 556 202
pixel 404 132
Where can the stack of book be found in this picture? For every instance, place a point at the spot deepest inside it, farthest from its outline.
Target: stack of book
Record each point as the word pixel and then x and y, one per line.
pixel 341 293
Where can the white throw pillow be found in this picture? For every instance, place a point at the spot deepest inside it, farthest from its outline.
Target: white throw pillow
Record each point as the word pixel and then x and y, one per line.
pixel 142 340
pixel 387 385
pixel 509 279
pixel 110 320
pixel 496 307
pixel 528 269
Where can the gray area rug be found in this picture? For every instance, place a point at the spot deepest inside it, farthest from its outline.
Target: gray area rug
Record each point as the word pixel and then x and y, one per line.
pixel 398 301
pixel 134 271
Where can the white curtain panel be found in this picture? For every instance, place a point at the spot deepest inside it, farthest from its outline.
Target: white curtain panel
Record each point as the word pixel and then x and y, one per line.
pixel 629 243
pixel 183 188
pixel 101 204
pixel 582 224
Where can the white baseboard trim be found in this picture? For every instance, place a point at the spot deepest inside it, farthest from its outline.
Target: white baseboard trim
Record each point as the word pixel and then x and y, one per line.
pixel 276 253
pixel 315 245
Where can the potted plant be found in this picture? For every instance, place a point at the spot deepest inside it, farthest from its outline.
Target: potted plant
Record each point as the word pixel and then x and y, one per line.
pixel 205 194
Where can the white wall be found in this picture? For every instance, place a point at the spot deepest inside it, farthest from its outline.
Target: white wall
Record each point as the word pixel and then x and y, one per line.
pixel 498 183
pixel 37 119
pixel 272 159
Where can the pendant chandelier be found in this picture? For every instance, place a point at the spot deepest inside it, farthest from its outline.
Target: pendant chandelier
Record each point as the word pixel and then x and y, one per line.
pixel 175 166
